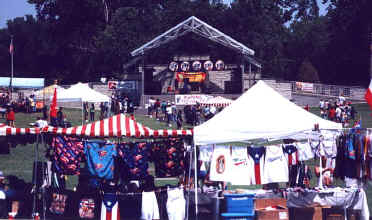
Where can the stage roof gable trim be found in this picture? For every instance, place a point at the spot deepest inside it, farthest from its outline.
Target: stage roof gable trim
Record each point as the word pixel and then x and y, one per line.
pixel 193 24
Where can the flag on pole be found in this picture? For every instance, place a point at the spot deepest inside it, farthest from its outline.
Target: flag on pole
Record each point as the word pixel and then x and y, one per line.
pixel 53 105
pixel 368 95
pixel 11 47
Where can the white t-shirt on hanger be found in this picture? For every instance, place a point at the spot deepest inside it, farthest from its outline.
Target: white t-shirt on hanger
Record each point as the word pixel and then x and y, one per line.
pixel 276 167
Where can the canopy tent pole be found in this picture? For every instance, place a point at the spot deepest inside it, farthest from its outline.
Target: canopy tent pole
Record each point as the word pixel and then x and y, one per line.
pixel 196 182
pixel 34 189
pixel 82 112
pixel 188 191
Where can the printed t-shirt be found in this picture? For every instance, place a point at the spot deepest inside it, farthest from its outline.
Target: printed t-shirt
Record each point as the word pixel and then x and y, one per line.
pixel 67 155
pixel 240 166
pixel 291 154
pixel 276 167
pixel 100 159
pixel 221 165
pixel 169 158
pixel 135 157
pixel 256 161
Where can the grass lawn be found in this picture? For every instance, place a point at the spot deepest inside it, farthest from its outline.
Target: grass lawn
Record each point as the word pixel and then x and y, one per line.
pixel 20 160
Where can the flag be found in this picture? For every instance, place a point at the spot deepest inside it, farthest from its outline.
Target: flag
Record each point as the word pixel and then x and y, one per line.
pixel 11 47
pixel 368 95
pixel 53 106
pixel 110 207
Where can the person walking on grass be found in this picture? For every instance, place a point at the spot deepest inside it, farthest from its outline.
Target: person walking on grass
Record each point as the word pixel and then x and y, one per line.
pixel 91 112
pixel 10 117
pixel 179 119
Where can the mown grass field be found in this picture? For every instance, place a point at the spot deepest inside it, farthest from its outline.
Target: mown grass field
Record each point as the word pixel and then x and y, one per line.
pixel 20 161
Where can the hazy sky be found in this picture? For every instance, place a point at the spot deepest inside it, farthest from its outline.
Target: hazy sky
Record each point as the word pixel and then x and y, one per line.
pixel 10 9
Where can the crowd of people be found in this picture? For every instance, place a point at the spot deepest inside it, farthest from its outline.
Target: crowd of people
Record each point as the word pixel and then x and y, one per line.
pixel 338 110
pixel 168 112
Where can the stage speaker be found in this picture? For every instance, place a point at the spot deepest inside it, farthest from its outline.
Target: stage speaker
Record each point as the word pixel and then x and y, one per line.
pixel 39 169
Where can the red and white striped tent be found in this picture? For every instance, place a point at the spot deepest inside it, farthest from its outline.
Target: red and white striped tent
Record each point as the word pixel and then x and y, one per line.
pixel 116 126
pixel 6 130
pixel 217 101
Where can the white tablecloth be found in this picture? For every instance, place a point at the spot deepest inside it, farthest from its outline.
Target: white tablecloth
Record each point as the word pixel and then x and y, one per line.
pixel 347 198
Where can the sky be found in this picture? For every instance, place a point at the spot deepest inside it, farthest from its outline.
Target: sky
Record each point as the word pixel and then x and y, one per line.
pixel 10 9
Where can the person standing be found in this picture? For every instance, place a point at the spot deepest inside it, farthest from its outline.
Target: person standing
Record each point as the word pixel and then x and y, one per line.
pixel 179 119
pixel 10 117
pixel 60 117
pixel 169 114
pixel 91 112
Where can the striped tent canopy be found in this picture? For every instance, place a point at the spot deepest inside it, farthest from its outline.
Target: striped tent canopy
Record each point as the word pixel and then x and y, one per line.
pixel 116 126
pixel 6 130
pixel 217 101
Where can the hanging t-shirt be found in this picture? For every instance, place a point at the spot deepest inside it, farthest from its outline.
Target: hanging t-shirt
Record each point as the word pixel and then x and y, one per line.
pixel 150 208
pixel 110 207
pixel 256 160
pixel 291 154
pixel 68 153
pixel 100 159
pixel 241 168
pixel 135 157
pixel 305 151
pixel 176 204
pixel 221 164
pixel 169 158
pixel 276 166
pixel 205 153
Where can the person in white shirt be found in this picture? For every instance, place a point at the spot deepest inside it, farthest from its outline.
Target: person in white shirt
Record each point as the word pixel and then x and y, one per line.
pixel 169 112
pixel 338 114
pixel 321 104
pixel 342 99
pixel 40 123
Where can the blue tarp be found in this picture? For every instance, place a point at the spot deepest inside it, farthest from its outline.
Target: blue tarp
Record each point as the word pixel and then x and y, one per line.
pixel 27 83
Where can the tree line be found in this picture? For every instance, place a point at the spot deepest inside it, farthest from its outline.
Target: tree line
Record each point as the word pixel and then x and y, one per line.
pixel 84 40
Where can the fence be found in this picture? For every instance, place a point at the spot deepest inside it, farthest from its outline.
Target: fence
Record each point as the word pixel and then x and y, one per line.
pixel 317 89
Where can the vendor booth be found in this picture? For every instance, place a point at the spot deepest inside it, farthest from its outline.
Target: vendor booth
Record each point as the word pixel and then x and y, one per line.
pixel 259 117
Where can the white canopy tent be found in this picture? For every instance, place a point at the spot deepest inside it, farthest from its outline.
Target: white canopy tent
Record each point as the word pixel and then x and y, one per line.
pixel 259 113
pixel 81 92
pixel 48 91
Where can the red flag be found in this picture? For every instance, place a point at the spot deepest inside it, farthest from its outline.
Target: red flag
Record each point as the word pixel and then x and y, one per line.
pixel 53 106
pixel 368 95
pixel 11 47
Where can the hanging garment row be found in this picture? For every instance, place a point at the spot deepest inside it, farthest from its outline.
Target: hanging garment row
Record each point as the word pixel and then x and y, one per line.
pixel 263 165
pixel 127 160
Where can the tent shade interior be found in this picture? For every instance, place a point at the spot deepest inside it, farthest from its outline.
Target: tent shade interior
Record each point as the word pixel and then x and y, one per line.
pixel 26 83
pixel 259 113
pixel 81 93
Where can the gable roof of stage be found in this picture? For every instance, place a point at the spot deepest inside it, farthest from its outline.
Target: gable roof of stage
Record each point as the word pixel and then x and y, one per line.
pixel 199 27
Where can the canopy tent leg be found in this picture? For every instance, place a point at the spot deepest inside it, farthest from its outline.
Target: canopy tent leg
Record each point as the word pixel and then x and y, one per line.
pixel 188 189
pixel 34 188
pixel 82 112
pixel 196 182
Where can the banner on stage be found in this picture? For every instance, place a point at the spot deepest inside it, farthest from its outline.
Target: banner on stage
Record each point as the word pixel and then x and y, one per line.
pixel 191 99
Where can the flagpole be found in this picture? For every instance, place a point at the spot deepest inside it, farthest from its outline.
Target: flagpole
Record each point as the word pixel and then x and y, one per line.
pixel 12 64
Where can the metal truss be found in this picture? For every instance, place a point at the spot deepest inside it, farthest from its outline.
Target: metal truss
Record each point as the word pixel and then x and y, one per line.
pixel 195 25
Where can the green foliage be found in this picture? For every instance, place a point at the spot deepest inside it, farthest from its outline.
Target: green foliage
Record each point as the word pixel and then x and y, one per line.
pixel 77 42
pixel 307 72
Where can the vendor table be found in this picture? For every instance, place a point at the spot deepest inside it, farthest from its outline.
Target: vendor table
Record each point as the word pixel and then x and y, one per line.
pixel 355 199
